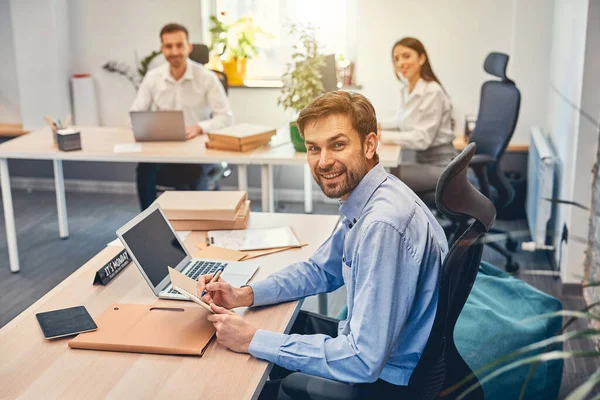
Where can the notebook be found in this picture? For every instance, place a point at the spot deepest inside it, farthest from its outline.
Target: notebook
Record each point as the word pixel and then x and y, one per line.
pixel 187 287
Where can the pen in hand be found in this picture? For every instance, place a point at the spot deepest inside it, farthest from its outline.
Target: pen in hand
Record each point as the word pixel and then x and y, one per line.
pixel 214 279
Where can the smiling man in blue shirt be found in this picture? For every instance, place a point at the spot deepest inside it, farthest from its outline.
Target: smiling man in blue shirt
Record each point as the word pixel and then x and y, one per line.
pixel 388 251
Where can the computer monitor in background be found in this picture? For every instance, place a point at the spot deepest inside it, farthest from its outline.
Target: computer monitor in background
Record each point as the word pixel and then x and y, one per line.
pixel 329 74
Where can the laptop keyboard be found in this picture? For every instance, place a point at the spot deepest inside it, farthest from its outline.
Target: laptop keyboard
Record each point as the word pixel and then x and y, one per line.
pixel 201 268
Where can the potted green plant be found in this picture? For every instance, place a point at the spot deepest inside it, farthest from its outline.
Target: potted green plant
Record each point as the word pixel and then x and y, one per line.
pixel 234 44
pixel 302 80
pixel 122 69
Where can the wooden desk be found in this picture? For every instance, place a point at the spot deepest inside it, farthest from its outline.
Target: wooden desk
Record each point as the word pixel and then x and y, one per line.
pixel 33 367
pixel 460 143
pixel 98 145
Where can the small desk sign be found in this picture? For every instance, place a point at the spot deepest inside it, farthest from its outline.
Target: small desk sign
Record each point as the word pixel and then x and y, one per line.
pixel 112 268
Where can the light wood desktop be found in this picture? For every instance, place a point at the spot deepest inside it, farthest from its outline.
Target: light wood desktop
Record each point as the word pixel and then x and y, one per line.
pixel 33 367
pixel 98 144
pixel 460 143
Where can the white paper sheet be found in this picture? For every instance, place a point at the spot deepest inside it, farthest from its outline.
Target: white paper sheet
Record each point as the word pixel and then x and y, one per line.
pixel 128 148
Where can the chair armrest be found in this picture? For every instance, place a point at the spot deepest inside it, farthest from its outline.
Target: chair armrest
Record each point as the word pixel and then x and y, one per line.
pixel 480 163
pixel 303 386
pixel 481 159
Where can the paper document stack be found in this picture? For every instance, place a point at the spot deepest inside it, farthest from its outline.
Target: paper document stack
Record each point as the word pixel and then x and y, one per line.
pixel 207 210
pixel 242 137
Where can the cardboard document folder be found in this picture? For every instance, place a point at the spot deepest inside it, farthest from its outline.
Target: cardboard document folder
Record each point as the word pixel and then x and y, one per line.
pixel 141 328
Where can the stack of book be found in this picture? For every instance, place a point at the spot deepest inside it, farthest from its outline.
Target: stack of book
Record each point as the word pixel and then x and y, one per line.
pixel 204 211
pixel 242 137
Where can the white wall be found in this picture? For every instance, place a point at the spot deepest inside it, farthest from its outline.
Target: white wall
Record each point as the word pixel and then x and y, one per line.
pixel 458 35
pixel 118 30
pixel 42 58
pixel 10 109
pixel 575 79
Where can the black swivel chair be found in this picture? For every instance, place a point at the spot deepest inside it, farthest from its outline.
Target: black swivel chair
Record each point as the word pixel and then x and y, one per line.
pixel 496 122
pixel 440 366
pixel 184 176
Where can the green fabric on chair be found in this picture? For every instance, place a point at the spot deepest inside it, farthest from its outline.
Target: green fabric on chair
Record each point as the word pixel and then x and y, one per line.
pixel 490 326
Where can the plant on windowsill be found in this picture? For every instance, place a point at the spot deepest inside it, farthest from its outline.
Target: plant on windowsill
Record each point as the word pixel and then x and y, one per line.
pixel 302 80
pixel 234 44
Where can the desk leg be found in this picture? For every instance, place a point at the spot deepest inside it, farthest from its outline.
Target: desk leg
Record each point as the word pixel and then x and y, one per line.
pixel 322 303
pixel 308 195
pixel 61 201
pixel 9 216
pixel 242 177
pixel 266 176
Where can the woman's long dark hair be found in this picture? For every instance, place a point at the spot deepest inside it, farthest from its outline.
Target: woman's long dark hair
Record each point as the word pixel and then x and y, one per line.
pixel 426 70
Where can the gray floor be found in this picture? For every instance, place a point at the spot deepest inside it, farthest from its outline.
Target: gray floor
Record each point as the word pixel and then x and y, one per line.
pixel 93 218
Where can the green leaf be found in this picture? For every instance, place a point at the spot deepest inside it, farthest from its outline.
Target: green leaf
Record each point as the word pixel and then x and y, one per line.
pixel 526 349
pixel 553 355
pixel 584 389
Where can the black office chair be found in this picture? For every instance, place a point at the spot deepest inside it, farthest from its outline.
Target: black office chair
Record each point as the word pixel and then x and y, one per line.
pixel 496 122
pixel 440 366
pixel 185 176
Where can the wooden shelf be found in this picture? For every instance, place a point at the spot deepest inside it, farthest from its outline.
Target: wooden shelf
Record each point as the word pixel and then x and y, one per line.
pixel 11 130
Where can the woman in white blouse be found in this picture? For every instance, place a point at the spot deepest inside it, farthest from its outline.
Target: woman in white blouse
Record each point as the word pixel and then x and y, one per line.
pixel 424 118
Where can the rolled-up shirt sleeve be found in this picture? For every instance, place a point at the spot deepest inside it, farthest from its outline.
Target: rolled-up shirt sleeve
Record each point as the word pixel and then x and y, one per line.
pixel 385 280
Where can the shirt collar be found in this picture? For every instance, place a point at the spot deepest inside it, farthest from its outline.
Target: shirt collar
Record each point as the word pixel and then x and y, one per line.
pixel 188 74
pixel 418 90
pixel 354 204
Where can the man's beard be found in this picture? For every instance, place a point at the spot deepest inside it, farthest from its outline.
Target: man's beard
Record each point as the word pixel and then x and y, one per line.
pixel 351 181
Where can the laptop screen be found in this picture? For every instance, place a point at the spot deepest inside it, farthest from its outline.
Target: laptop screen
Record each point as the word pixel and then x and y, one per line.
pixel 154 245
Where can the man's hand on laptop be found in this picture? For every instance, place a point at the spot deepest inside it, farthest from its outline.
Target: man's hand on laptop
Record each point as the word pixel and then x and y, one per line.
pixel 192 131
pixel 223 294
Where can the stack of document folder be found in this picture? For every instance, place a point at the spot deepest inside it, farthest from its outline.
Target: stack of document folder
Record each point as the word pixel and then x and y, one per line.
pixel 242 137
pixel 207 210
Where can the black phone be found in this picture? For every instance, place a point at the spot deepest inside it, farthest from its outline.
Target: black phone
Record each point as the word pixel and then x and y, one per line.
pixel 65 322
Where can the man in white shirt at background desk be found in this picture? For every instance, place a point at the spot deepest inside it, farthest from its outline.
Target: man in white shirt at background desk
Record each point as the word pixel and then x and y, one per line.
pixel 184 85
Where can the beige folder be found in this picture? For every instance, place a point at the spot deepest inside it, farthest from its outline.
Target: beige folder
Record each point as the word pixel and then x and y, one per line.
pixel 140 328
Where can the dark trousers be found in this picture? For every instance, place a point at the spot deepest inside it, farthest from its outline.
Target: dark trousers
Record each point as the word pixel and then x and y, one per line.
pixel 308 323
pixel 147 179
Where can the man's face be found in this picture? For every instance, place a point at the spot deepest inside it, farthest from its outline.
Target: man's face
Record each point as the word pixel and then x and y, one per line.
pixel 175 48
pixel 337 158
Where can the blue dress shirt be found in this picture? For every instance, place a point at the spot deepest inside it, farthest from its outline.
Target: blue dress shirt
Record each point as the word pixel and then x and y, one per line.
pixel 388 251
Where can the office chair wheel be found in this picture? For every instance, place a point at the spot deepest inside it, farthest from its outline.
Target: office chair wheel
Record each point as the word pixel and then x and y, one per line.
pixel 511 245
pixel 512 266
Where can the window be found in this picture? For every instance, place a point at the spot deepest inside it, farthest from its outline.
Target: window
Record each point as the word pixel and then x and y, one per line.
pixel 274 17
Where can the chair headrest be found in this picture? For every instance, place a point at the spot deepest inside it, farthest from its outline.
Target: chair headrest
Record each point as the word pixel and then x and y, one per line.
pixel 456 197
pixel 495 64
pixel 199 53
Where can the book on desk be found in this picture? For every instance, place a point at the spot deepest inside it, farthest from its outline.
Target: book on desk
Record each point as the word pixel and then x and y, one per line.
pixel 241 137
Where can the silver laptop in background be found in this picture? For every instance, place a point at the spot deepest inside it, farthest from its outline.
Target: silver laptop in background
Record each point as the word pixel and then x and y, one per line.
pixel 153 245
pixel 152 126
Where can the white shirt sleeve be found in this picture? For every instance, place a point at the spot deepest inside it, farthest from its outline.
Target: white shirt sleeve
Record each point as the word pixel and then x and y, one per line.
pixel 427 123
pixel 222 116
pixel 143 98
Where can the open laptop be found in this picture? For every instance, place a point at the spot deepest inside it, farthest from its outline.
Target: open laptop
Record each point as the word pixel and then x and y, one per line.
pixel 149 126
pixel 153 245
